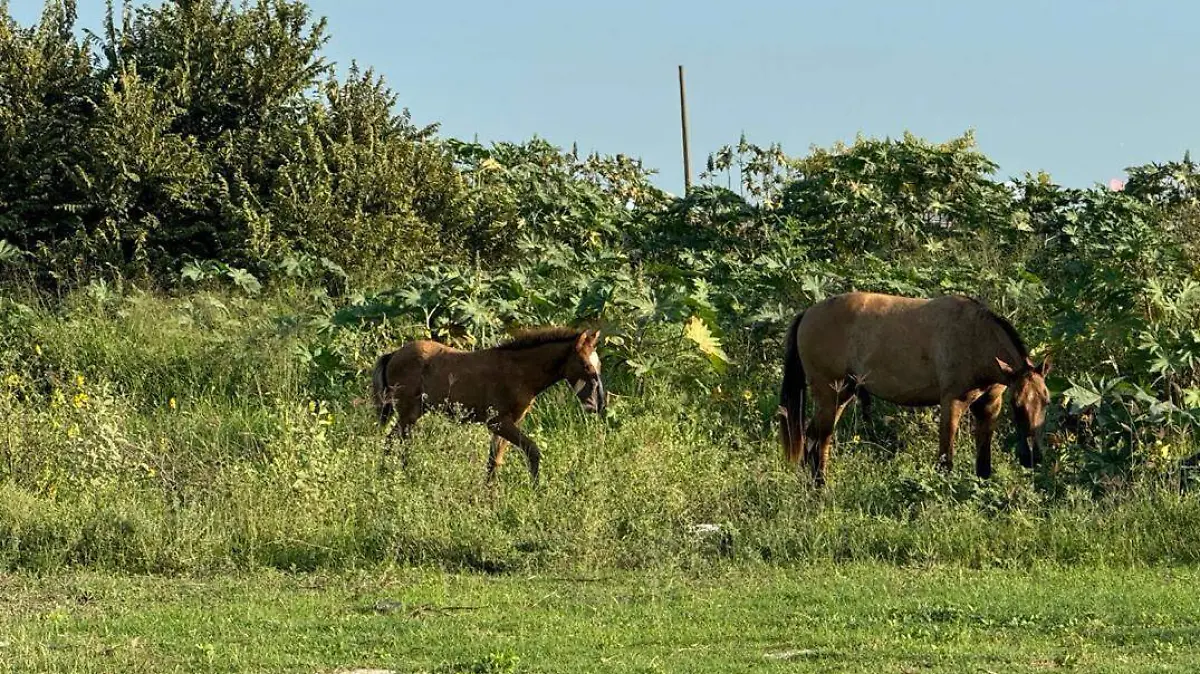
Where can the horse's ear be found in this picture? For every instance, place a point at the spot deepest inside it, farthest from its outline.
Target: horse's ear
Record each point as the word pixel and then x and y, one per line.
pixel 581 342
pixel 1005 367
pixel 1046 366
pixel 595 338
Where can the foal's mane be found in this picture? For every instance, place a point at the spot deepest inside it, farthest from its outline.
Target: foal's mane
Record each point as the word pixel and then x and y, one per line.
pixel 1018 343
pixel 528 339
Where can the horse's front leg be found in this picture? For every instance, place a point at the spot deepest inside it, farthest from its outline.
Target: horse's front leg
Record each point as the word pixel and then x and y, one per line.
pixel 952 409
pixel 507 430
pixel 986 411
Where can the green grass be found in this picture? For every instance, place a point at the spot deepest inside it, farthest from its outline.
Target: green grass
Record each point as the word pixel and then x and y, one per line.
pixel 872 618
pixel 208 432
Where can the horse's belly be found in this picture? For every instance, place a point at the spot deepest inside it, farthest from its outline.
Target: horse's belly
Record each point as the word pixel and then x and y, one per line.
pixel 890 379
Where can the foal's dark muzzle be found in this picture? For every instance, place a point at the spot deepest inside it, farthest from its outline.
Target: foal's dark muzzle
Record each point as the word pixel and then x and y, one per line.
pixel 591 395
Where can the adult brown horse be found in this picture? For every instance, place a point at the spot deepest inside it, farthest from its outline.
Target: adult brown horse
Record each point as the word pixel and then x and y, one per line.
pixel 950 351
pixel 495 386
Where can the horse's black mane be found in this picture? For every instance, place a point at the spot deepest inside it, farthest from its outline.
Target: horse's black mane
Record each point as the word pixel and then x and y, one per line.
pixel 528 339
pixel 1022 350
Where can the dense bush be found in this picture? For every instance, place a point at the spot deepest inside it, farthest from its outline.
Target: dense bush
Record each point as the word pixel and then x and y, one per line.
pixel 210 130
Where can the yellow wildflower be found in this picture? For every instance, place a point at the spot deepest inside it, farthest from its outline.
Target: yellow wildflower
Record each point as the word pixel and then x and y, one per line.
pixel 80 400
pixel 37 348
pixel 171 403
pixel 79 380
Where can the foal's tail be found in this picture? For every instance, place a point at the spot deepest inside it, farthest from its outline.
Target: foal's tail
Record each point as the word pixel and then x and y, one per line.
pixel 379 388
pixel 791 397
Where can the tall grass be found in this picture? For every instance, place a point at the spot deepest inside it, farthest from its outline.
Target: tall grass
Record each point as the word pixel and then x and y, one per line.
pixel 149 433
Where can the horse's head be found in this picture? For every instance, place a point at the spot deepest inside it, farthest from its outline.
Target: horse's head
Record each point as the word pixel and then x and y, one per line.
pixel 582 372
pixel 1030 400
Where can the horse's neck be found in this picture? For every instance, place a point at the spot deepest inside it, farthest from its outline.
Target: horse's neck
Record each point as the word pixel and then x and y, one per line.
pixel 542 365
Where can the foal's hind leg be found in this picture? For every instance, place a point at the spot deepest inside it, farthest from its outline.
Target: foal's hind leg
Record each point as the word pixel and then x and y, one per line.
pixel 496 455
pixel 406 418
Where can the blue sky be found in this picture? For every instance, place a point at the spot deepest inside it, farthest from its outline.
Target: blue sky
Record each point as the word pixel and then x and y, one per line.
pixel 1079 88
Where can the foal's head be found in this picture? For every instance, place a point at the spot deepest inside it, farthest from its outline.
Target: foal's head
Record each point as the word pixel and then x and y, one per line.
pixel 1030 399
pixel 582 372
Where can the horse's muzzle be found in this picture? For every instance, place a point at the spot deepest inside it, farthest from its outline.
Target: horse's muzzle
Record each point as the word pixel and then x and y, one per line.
pixel 1029 451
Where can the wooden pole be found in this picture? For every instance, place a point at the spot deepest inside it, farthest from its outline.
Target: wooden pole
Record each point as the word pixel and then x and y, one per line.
pixel 687 165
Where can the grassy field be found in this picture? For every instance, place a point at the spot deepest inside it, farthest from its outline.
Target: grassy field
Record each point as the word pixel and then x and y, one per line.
pixel 875 618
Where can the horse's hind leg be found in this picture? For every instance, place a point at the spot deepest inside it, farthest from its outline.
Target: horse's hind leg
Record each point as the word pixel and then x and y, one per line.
pixel 828 403
pixel 986 411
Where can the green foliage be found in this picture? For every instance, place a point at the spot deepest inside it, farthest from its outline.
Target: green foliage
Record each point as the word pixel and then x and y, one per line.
pixel 46 92
pixel 534 190
pixel 389 187
pixel 888 197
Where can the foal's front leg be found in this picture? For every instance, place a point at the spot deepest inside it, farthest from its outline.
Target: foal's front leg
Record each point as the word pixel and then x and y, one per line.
pixel 507 430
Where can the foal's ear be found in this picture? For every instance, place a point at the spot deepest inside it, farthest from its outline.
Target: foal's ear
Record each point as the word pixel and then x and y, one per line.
pixel 587 340
pixel 1045 368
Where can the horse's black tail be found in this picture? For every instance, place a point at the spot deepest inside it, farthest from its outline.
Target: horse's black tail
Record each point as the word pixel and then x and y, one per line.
pixel 379 386
pixel 791 397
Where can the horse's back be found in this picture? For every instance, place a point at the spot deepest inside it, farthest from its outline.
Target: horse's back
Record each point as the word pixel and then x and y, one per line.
pixel 847 306
pixel 852 316
pixel 895 345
